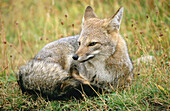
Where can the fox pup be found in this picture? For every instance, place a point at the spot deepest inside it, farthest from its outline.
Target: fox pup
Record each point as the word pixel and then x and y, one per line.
pixel 98 57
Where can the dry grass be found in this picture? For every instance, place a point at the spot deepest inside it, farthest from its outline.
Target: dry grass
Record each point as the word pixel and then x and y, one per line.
pixel 26 26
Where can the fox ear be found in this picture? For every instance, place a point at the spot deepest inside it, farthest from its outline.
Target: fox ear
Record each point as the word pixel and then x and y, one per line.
pixel 115 21
pixel 89 13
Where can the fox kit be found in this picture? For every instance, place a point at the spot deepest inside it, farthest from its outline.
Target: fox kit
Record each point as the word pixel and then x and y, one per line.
pixel 98 57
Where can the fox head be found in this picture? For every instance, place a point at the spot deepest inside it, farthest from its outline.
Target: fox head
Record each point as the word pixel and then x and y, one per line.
pixel 98 37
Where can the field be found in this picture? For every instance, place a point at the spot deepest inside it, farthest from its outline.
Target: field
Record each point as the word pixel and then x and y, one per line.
pixel 28 25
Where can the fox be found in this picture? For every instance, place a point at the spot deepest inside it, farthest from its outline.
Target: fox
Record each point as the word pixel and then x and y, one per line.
pixel 96 59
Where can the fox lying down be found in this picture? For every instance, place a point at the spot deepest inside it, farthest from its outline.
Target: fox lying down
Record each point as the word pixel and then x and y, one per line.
pixel 97 59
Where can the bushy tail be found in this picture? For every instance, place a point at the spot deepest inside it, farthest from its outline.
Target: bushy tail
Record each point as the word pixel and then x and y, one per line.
pixel 49 79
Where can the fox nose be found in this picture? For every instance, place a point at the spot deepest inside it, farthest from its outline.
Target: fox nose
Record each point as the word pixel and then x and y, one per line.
pixel 75 57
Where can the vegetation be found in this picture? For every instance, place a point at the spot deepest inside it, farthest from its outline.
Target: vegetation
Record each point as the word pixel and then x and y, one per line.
pixel 27 25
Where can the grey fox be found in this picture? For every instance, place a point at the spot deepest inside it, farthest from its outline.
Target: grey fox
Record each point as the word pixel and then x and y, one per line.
pixel 98 57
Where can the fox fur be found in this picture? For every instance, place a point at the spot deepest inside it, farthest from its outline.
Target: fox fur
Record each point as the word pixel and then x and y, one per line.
pixel 97 58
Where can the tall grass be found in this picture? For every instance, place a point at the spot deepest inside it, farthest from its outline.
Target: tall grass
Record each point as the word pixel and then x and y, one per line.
pixel 26 26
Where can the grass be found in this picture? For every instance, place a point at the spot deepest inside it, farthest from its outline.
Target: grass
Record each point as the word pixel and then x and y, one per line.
pixel 26 26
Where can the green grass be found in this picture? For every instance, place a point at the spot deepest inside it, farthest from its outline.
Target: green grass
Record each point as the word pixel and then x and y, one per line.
pixel 26 26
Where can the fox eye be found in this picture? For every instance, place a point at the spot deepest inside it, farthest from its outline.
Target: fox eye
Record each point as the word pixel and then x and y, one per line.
pixel 92 43
pixel 79 43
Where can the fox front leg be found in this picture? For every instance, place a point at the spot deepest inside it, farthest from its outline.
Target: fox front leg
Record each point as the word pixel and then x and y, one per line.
pixel 75 73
